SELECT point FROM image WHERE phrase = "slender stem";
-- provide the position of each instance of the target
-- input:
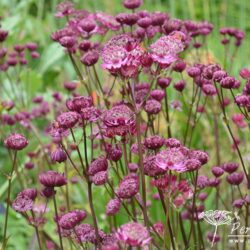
(58, 227)
(190, 112)
(221, 100)
(37, 232)
(90, 197)
(141, 168)
(167, 218)
(193, 208)
(78, 151)
(214, 235)
(8, 200)
(167, 114)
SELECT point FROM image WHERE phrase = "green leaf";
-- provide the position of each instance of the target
(32, 81)
(50, 57)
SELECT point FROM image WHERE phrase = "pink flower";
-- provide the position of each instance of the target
(133, 234)
(108, 21)
(128, 187)
(165, 50)
(173, 159)
(238, 119)
(22, 203)
(122, 54)
(64, 9)
(119, 120)
(16, 142)
(71, 219)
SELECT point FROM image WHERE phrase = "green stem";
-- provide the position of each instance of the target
(58, 227)
(8, 200)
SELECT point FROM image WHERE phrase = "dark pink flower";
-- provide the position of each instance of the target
(67, 120)
(172, 159)
(71, 219)
(64, 9)
(108, 21)
(100, 178)
(58, 155)
(119, 120)
(128, 187)
(123, 54)
(230, 167)
(151, 168)
(165, 50)
(52, 179)
(113, 207)
(22, 203)
(133, 234)
(235, 178)
(152, 107)
(154, 142)
(98, 165)
(114, 153)
(16, 142)
(78, 103)
(239, 121)
(31, 193)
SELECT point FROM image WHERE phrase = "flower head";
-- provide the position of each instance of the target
(52, 179)
(71, 219)
(67, 120)
(165, 50)
(22, 203)
(123, 54)
(133, 234)
(119, 120)
(16, 142)
(128, 187)
(113, 207)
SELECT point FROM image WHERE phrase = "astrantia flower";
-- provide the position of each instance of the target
(132, 4)
(230, 167)
(100, 178)
(151, 168)
(113, 207)
(172, 159)
(114, 153)
(235, 178)
(78, 103)
(67, 120)
(157, 94)
(64, 9)
(58, 155)
(16, 142)
(199, 155)
(172, 143)
(152, 107)
(52, 179)
(86, 233)
(165, 50)
(119, 120)
(133, 234)
(108, 21)
(154, 142)
(122, 54)
(31, 193)
(71, 219)
(98, 165)
(128, 187)
(22, 203)
(238, 119)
